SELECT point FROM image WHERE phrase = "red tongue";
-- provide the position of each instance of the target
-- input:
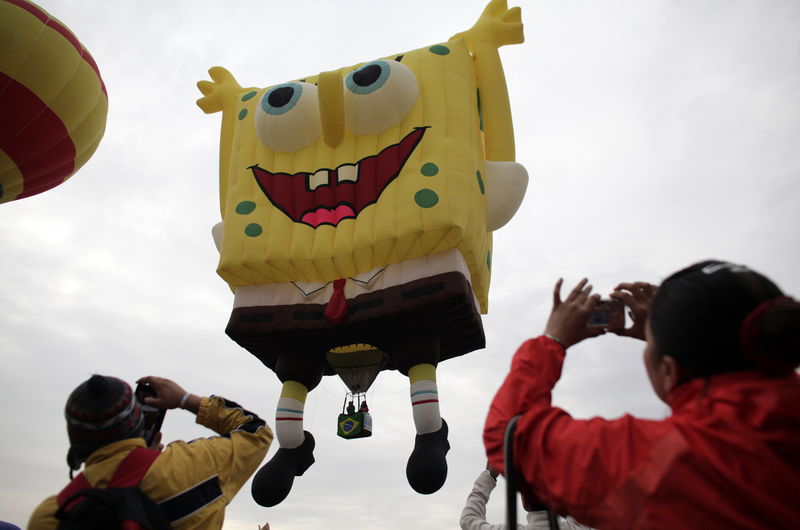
(325, 215)
(336, 309)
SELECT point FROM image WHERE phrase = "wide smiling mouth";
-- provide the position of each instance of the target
(326, 196)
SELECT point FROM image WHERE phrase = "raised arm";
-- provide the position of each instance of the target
(497, 26)
(220, 94)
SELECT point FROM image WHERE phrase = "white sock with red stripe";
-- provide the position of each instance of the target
(425, 398)
(289, 415)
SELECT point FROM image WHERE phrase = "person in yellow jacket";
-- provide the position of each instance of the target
(191, 482)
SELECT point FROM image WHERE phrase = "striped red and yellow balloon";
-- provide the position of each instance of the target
(53, 103)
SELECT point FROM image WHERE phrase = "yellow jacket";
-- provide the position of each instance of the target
(192, 482)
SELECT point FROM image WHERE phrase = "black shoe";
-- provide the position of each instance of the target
(427, 467)
(273, 482)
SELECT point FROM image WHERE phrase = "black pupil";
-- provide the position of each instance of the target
(367, 75)
(280, 96)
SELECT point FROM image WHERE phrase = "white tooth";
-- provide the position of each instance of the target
(320, 178)
(347, 172)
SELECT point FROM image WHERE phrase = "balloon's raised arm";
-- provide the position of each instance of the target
(221, 94)
(497, 26)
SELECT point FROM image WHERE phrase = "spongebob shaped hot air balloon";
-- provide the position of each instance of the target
(358, 207)
(53, 102)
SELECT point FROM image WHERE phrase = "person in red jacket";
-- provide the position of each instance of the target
(723, 345)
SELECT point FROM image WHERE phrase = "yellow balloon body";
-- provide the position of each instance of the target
(53, 101)
(434, 203)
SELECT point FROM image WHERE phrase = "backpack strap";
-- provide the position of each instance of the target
(132, 470)
(77, 484)
(128, 474)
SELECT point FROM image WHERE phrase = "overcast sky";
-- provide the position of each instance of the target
(656, 134)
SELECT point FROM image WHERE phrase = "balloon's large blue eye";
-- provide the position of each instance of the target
(287, 117)
(282, 98)
(379, 95)
(368, 78)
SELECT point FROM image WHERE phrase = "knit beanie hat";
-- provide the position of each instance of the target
(100, 411)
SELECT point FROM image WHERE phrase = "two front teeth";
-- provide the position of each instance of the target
(344, 173)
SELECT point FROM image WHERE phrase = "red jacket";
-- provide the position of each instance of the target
(727, 457)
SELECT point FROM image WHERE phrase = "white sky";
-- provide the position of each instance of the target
(656, 133)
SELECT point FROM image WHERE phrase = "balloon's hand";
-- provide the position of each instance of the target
(218, 93)
(567, 322)
(497, 25)
(637, 296)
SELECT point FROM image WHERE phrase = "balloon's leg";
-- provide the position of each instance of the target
(426, 469)
(424, 398)
(273, 482)
(289, 415)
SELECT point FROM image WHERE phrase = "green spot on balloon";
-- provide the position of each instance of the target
(480, 182)
(429, 169)
(253, 230)
(489, 259)
(245, 207)
(426, 198)
(249, 95)
(439, 49)
(242, 114)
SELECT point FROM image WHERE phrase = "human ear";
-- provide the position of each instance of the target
(670, 373)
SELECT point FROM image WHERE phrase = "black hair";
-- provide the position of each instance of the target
(697, 317)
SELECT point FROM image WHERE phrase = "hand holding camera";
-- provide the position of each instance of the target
(582, 314)
(168, 394)
(568, 319)
(153, 416)
(155, 396)
(637, 297)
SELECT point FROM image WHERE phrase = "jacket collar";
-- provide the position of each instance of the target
(712, 387)
(109, 450)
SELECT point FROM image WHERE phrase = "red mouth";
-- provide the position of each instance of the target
(327, 196)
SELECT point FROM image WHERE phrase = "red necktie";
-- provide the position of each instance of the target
(337, 306)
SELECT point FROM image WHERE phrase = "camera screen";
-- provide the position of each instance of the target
(608, 314)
